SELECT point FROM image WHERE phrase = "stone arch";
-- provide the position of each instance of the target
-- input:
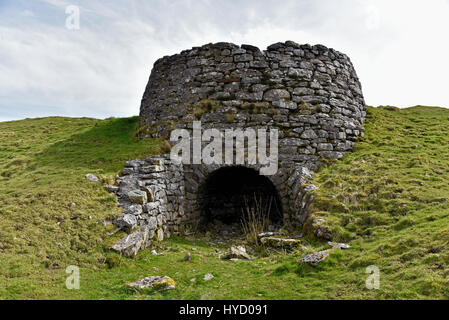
(226, 193)
(196, 176)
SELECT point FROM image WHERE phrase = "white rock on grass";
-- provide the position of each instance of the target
(339, 245)
(208, 277)
(91, 177)
(266, 234)
(238, 252)
(315, 258)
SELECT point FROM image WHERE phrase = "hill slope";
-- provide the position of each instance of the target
(387, 198)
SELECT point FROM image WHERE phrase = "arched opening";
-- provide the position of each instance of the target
(231, 195)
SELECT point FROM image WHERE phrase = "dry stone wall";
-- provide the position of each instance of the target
(311, 93)
(151, 193)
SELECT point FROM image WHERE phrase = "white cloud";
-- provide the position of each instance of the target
(399, 48)
(27, 13)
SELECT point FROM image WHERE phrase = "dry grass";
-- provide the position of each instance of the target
(256, 216)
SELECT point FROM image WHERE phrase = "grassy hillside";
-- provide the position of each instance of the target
(387, 199)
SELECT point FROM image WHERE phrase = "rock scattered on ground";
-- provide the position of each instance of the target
(321, 230)
(281, 242)
(315, 258)
(266, 234)
(91, 177)
(131, 244)
(339, 245)
(238, 252)
(158, 282)
(208, 277)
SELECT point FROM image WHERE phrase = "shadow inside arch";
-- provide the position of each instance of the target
(228, 192)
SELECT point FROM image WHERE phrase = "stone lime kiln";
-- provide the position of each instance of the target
(310, 94)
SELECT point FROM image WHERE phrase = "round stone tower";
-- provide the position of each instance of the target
(310, 94)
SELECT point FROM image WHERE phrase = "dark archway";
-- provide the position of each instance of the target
(227, 193)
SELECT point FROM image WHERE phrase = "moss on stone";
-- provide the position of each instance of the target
(230, 116)
(203, 107)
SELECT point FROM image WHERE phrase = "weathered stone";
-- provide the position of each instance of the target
(160, 235)
(135, 209)
(309, 134)
(91, 177)
(331, 154)
(321, 230)
(280, 242)
(266, 234)
(325, 147)
(208, 277)
(339, 245)
(131, 244)
(243, 58)
(158, 282)
(150, 207)
(127, 171)
(303, 91)
(315, 258)
(127, 221)
(112, 189)
(152, 223)
(300, 73)
(276, 94)
(285, 104)
(238, 252)
(138, 196)
(149, 192)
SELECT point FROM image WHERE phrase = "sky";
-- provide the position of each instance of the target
(49, 66)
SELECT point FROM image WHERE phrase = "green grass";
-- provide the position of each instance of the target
(389, 197)
(386, 198)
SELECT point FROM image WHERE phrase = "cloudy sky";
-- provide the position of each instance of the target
(400, 48)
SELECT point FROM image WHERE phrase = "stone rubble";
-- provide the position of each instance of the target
(208, 277)
(319, 228)
(266, 234)
(238, 252)
(339, 245)
(158, 282)
(91, 177)
(150, 194)
(281, 242)
(132, 243)
(315, 258)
